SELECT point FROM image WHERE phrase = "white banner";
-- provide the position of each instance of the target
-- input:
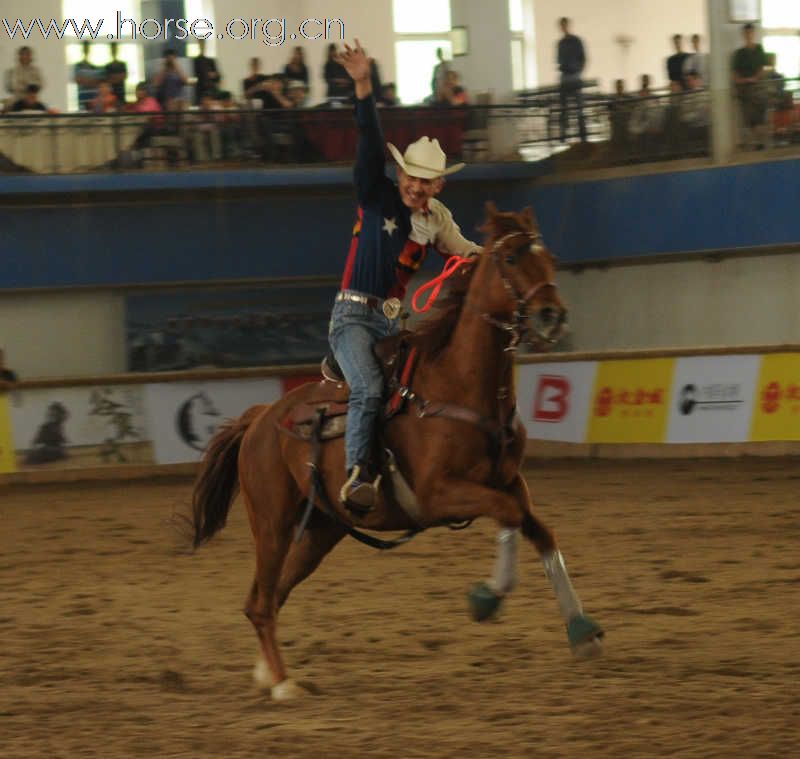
(554, 399)
(80, 426)
(183, 416)
(712, 399)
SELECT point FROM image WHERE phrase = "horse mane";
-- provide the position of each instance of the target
(433, 335)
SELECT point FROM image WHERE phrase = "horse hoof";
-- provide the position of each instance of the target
(262, 676)
(483, 602)
(584, 636)
(287, 691)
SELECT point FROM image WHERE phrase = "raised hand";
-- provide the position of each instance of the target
(355, 61)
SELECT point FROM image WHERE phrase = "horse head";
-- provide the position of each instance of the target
(521, 293)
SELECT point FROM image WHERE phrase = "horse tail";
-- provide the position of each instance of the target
(217, 483)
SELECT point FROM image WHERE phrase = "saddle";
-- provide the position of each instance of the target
(329, 398)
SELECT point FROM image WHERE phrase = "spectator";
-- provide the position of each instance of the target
(146, 103)
(105, 101)
(274, 96)
(230, 126)
(252, 86)
(675, 65)
(8, 378)
(87, 76)
(786, 120)
(748, 70)
(29, 101)
(452, 93)
(388, 96)
(697, 61)
(296, 70)
(25, 73)
(439, 73)
(647, 116)
(206, 75)
(339, 84)
(117, 74)
(169, 83)
(775, 82)
(619, 107)
(206, 137)
(571, 63)
(694, 106)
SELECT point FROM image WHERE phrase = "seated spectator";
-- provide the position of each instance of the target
(297, 92)
(388, 96)
(29, 102)
(25, 73)
(8, 378)
(105, 101)
(230, 126)
(296, 70)
(206, 136)
(452, 93)
(786, 120)
(272, 95)
(648, 114)
(146, 103)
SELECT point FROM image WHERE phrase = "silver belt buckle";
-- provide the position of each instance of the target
(392, 308)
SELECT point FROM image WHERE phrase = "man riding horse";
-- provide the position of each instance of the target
(396, 224)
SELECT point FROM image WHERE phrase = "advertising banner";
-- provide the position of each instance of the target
(65, 428)
(183, 416)
(554, 399)
(7, 457)
(712, 399)
(630, 401)
(776, 413)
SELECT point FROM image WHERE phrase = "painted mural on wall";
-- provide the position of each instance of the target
(73, 427)
(170, 331)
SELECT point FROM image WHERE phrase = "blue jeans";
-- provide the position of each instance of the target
(354, 330)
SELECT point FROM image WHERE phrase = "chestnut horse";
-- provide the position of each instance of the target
(457, 468)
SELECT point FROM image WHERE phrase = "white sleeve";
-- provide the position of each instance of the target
(449, 239)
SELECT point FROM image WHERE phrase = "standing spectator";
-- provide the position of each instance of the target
(116, 74)
(697, 61)
(571, 63)
(296, 70)
(25, 73)
(748, 69)
(439, 73)
(675, 64)
(252, 86)
(169, 82)
(340, 85)
(87, 76)
(206, 75)
(29, 101)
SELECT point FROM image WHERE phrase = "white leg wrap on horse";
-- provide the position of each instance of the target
(504, 579)
(556, 571)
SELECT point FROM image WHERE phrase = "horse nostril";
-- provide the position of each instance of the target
(548, 316)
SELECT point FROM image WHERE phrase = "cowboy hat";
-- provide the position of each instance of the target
(424, 159)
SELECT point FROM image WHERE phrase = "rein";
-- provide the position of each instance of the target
(435, 285)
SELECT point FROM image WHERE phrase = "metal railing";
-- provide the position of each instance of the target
(624, 129)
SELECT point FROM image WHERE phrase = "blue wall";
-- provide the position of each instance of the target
(128, 229)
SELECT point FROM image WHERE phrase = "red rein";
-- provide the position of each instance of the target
(450, 266)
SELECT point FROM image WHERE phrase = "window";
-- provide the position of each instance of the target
(523, 71)
(420, 26)
(780, 20)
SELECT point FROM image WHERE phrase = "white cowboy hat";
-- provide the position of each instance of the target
(424, 159)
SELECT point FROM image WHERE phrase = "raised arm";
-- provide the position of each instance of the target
(449, 240)
(370, 161)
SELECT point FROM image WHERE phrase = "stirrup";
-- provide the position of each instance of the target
(357, 494)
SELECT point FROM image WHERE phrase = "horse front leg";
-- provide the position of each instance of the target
(583, 633)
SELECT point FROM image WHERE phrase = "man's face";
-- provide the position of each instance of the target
(25, 56)
(415, 192)
(749, 36)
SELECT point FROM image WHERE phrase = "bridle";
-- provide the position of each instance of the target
(519, 328)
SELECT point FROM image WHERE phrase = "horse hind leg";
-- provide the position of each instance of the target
(319, 538)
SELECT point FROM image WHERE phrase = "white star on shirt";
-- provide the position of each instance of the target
(389, 225)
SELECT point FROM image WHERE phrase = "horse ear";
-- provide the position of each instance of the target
(491, 210)
(529, 214)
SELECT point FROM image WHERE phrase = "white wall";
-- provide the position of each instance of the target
(651, 24)
(738, 301)
(64, 334)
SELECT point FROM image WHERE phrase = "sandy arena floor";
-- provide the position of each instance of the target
(113, 645)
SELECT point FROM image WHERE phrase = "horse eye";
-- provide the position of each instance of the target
(511, 258)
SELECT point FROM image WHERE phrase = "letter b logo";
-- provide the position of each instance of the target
(551, 403)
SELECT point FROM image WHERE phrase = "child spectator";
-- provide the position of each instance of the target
(105, 101)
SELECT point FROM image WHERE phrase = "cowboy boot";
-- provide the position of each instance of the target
(360, 490)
